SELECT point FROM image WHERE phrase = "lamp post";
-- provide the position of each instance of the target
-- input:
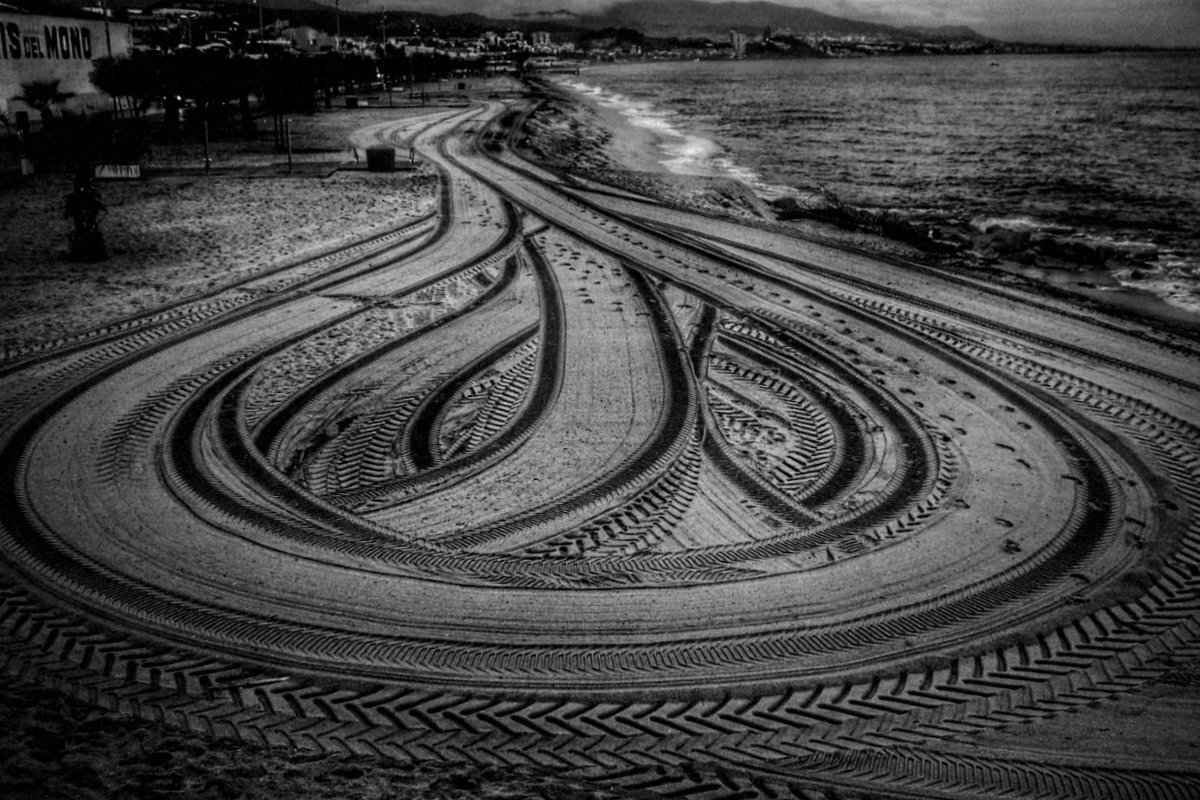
(107, 33)
(337, 5)
(261, 47)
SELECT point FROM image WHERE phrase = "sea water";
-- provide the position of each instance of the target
(1102, 146)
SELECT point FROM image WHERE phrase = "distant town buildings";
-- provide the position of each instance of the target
(40, 41)
(737, 40)
(309, 40)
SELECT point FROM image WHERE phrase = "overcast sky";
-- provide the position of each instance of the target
(1169, 23)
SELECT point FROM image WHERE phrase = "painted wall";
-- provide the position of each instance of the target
(36, 48)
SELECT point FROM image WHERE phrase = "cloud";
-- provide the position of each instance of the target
(1167, 23)
(489, 8)
(926, 13)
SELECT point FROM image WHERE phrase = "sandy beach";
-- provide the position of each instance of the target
(173, 237)
(580, 480)
(56, 748)
(181, 234)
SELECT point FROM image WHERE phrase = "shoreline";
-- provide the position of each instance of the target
(131, 516)
(637, 157)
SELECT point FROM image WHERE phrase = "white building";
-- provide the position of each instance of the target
(308, 39)
(737, 41)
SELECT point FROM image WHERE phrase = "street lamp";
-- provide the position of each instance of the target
(107, 33)
(261, 47)
(337, 5)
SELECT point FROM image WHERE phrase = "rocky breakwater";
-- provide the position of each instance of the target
(826, 207)
(1030, 244)
(991, 241)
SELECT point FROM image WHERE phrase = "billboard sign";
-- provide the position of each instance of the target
(39, 48)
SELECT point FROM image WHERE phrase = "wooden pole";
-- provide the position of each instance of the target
(107, 33)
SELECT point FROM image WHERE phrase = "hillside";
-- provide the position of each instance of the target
(654, 18)
(661, 18)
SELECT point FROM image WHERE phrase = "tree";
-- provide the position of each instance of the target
(137, 78)
(45, 98)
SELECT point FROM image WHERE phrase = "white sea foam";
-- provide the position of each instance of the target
(1017, 223)
(683, 152)
(905, 136)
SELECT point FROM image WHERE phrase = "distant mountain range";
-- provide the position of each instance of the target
(663, 18)
(561, 15)
(654, 18)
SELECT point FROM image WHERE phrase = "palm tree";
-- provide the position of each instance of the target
(45, 98)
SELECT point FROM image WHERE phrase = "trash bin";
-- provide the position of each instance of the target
(381, 159)
(351, 101)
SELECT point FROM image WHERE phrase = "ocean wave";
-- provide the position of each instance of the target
(1018, 222)
(683, 152)
(1060, 148)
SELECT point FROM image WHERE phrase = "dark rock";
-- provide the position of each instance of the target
(1142, 254)
(955, 236)
(1005, 241)
(1130, 252)
(1073, 251)
(940, 245)
(787, 208)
